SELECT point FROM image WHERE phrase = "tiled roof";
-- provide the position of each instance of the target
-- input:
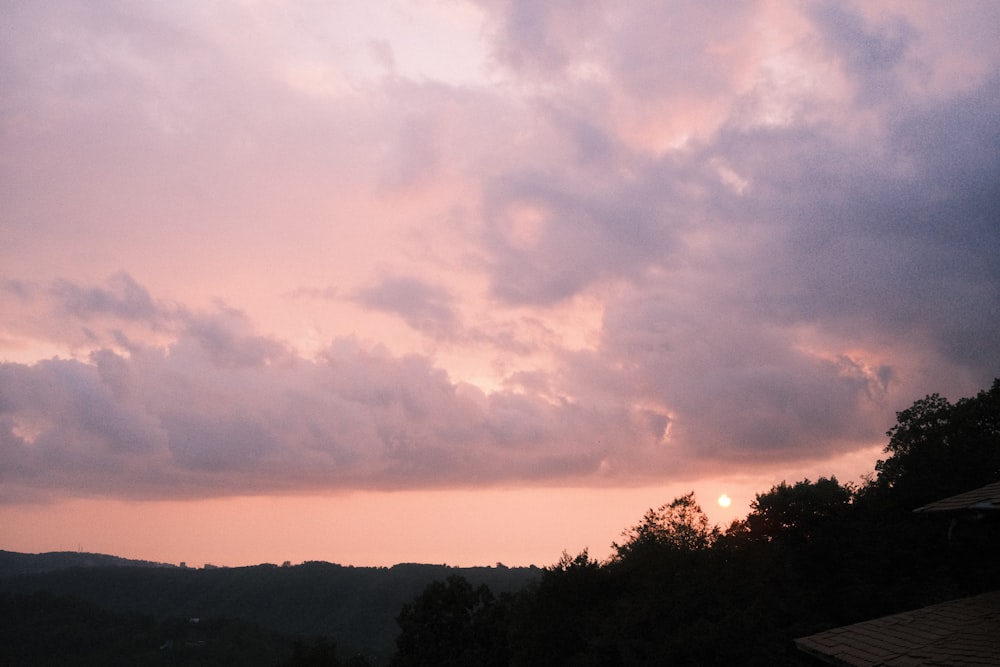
(959, 633)
(984, 498)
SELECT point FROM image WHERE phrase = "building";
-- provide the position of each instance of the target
(957, 633)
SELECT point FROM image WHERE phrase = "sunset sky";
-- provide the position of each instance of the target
(469, 281)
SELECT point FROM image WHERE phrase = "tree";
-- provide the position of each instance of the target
(559, 619)
(680, 525)
(937, 449)
(452, 624)
(322, 653)
(797, 511)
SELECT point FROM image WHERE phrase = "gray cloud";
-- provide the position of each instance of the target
(868, 238)
(785, 246)
(87, 316)
(427, 308)
(740, 388)
(123, 298)
(179, 422)
(894, 239)
(873, 55)
(226, 336)
(583, 231)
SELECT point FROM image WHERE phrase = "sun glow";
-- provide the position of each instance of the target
(725, 501)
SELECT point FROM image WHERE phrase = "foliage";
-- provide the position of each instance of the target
(797, 511)
(680, 525)
(452, 624)
(42, 629)
(937, 449)
(354, 606)
(321, 653)
(557, 617)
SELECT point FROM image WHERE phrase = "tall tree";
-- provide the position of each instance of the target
(797, 511)
(937, 449)
(680, 525)
(452, 624)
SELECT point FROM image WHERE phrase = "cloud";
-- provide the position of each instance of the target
(184, 421)
(739, 388)
(833, 224)
(894, 239)
(646, 240)
(64, 312)
(123, 298)
(226, 337)
(550, 238)
(870, 54)
(427, 308)
(773, 305)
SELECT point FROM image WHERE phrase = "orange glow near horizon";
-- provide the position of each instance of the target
(464, 528)
(461, 527)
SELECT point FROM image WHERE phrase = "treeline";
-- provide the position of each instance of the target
(41, 629)
(12, 562)
(809, 556)
(319, 609)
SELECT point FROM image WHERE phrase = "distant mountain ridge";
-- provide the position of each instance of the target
(13, 562)
(355, 606)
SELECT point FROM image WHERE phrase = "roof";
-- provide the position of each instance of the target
(984, 498)
(956, 634)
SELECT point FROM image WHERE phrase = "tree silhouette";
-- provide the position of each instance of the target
(938, 449)
(797, 511)
(452, 624)
(680, 525)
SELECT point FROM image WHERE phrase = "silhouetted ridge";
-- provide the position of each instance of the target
(12, 562)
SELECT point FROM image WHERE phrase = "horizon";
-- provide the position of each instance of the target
(423, 541)
(475, 281)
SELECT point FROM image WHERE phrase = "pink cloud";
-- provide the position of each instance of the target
(643, 241)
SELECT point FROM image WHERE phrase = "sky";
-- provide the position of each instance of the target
(475, 281)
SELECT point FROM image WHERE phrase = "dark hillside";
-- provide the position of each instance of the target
(38, 630)
(355, 606)
(12, 563)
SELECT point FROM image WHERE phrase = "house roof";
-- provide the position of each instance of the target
(984, 498)
(959, 633)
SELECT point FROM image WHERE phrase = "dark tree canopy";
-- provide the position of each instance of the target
(937, 449)
(451, 624)
(680, 525)
(798, 510)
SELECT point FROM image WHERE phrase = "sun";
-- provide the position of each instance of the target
(725, 501)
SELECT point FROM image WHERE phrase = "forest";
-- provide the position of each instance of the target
(809, 556)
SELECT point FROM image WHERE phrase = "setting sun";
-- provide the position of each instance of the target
(725, 501)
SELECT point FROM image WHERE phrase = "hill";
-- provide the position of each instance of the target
(12, 562)
(354, 606)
